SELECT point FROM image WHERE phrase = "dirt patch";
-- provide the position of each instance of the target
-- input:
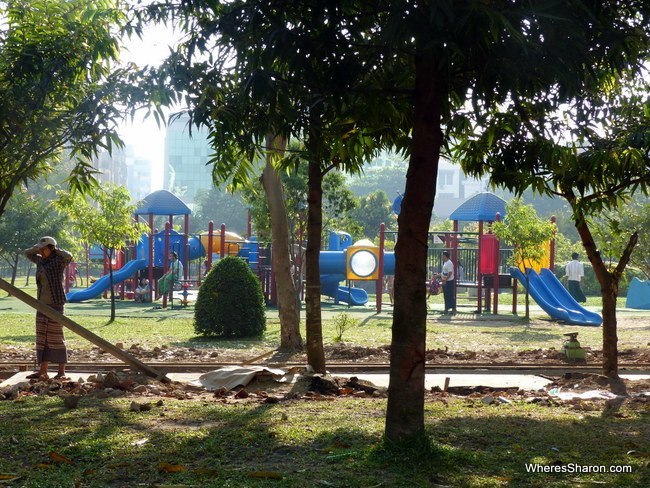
(334, 353)
(351, 352)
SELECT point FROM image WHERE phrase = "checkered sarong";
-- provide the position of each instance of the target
(50, 343)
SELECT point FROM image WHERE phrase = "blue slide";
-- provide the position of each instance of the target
(329, 286)
(554, 299)
(103, 283)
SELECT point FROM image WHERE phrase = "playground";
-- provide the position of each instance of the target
(465, 336)
(288, 433)
(488, 290)
(349, 271)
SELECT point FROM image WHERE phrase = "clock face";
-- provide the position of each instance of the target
(363, 263)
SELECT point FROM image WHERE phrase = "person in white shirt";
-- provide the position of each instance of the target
(448, 288)
(575, 271)
(141, 293)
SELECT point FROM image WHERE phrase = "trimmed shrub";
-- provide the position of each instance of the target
(230, 302)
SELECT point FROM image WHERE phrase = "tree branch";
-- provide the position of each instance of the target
(625, 257)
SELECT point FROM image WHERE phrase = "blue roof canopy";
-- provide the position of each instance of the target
(481, 207)
(162, 202)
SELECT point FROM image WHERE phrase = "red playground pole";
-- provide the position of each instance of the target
(479, 275)
(186, 238)
(151, 263)
(210, 242)
(166, 261)
(497, 255)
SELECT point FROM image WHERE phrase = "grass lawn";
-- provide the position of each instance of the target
(137, 323)
(300, 443)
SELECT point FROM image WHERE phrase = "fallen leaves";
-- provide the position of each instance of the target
(59, 458)
(8, 478)
(171, 468)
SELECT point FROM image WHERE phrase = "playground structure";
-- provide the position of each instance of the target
(484, 266)
(151, 256)
(361, 261)
(485, 269)
(152, 251)
(638, 294)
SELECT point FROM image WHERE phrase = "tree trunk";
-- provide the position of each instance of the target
(527, 298)
(405, 410)
(608, 281)
(29, 273)
(289, 312)
(110, 281)
(315, 351)
(14, 269)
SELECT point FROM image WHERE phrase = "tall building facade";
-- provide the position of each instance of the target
(112, 167)
(138, 177)
(186, 157)
(123, 168)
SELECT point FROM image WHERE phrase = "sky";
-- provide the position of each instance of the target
(144, 135)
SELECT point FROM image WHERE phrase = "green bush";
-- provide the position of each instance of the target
(230, 302)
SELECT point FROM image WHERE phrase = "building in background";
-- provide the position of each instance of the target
(124, 168)
(138, 177)
(186, 156)
(387, 172)
(112, 167)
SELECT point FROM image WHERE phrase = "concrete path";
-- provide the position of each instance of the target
(523, 381)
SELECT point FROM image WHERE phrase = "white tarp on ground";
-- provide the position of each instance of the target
(230, 377)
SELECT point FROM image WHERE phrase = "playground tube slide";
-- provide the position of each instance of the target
(329, 286)
(333, 266)
(103, 283)
(549, 294)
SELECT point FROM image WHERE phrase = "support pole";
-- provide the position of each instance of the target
(497, 264)
(135, 282)
(380, 276)
(222, 251)
(151, 258)
(186, 254)
(210, 243)
(166, 261)
(479, 275)
(454, 259)
(551, 258)
(81, 331)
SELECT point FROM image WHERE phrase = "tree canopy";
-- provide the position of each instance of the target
(529, 236)
(58, 88)
(103, 217)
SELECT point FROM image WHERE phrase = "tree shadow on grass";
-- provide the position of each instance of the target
(499, 447)
(217, 343)
(311, 443)
(29, 338)
(532, 335)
